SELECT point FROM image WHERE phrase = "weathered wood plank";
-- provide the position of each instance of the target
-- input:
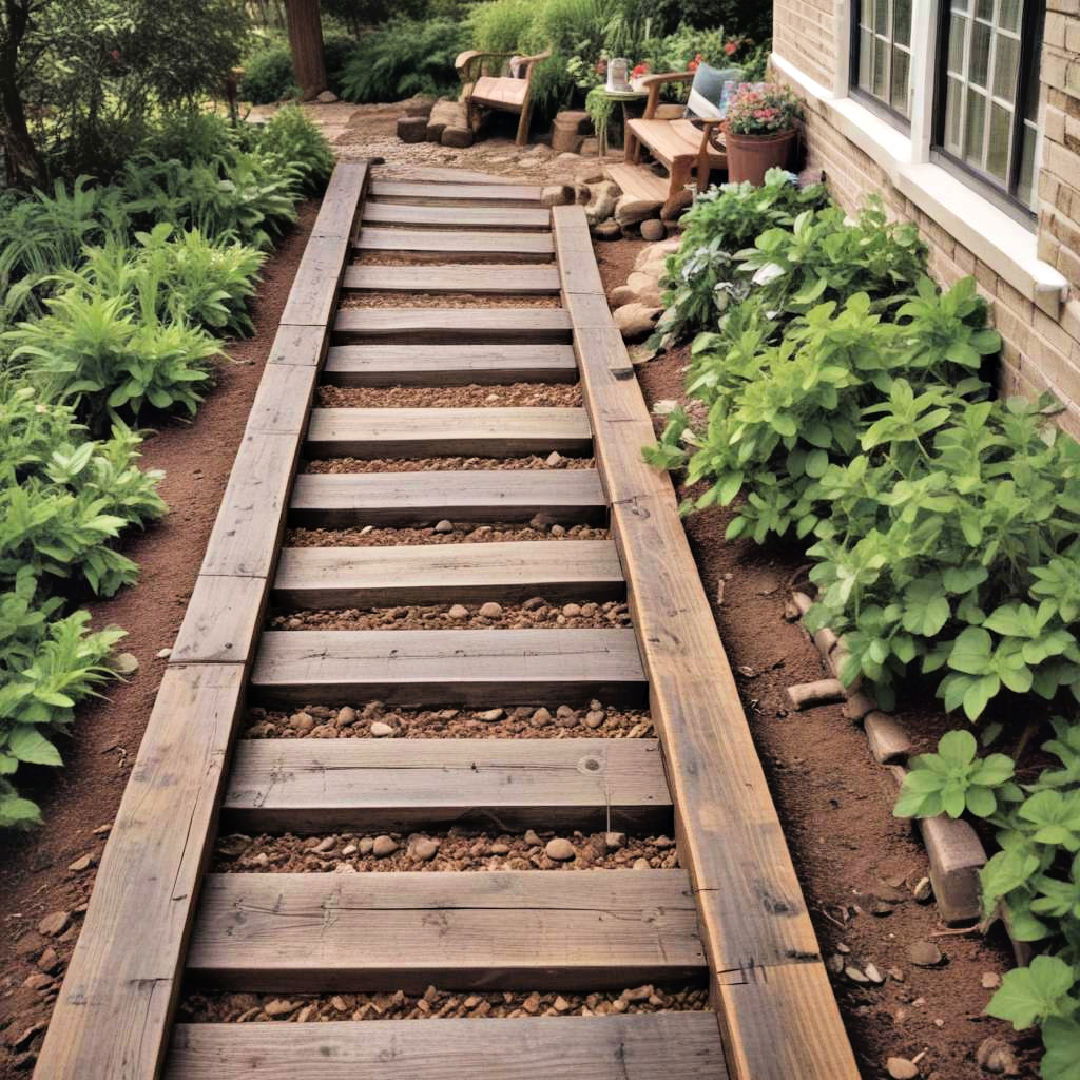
(676, 1046)
(338, 213)
(455, 194)
(489, 278)
(409, 929)
(282, 400)
(528, 247)
(302, 346)
(324, 577)
(436, 432)
(563, 495)
(778, 1016)
(315, 287)
(456, 217)
(324, 785)
(448, 325)
(474, 667)
(112, 1016)
(222, 621)
(448, 365)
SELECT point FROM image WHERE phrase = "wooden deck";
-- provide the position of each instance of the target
(732, 915)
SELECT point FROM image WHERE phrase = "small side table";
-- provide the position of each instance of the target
(626, 99)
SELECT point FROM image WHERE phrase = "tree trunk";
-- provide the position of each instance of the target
(306, 43)
(22, 161)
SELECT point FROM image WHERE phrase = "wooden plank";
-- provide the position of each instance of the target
(338, 212)
(448, 365)
(456, 217)
(113, 1013)
(639, 182)
(302, 346)
(323, 577)
(530, 247)
(437, 432)
(563, 495)
(409, 929)
(222, 621)
(489, 278)
(448, 325)
(446, 194)
(325, 785)
(468, 667)
(778, 1016)
(282, 400)
(315, 287)
(676, 1046)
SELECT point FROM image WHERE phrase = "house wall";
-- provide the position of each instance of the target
(1041, 347)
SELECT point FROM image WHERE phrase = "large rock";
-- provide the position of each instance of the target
(601, 205)
(457, 137)
(657, 253)
(622, 294)
(630, 210)
(557, 195)
(653, 229)
(327, 97)
(635, 320)
(646, 288)
(412, 129)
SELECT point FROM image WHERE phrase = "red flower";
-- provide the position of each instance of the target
(693, 65)
(641, 69)
(731, 48)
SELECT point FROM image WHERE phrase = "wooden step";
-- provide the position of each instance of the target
(675, 1046)
(526, 929)
(448, 365)
(395, 785)
(489, 278)
(313, 578)
(451, 667)
(527, 247)
(451, 194)
(638, 182)
(533, 326)
(402, 498)
(433, 432)
(456, 217)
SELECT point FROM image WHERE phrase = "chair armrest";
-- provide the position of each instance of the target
(654, 82)
(465, 61)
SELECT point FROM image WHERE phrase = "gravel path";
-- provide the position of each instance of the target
(457, 533)
(471, 395)
(554, 460)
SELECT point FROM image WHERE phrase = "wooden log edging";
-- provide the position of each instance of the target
(114, 1013)
(777, 1014)
(955, 852)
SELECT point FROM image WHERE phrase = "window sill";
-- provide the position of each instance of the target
(991, 235)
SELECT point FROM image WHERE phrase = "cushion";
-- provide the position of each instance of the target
(707, 98)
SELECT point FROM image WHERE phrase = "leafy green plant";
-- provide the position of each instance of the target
(294, 144)
(268, 75)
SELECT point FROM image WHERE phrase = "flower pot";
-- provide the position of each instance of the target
(750, 157)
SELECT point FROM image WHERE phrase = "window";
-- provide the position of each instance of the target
(881, 42)
(986, 109)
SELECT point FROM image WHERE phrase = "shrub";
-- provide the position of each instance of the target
(268, 75)
(291, 142)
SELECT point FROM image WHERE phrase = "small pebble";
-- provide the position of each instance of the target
(380, 729)
(901, 1069)
(490, 610)
(924, 954)
(444, 526)
(383, 846)
(560, 849)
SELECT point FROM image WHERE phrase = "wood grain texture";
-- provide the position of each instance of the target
(448, 365)
(451, 194)
(435, 432)
(778, 1016)
(325, 785)
(456, 217)
(302, 346)
(527, 247)
(283, 399)
(562, 495)
(436, 174)
(112, 1016)
(338, 213)
(315, 286)
(676, 1046)
(222, 621)
(321, 577)
(490, 278)
(474, 667)
(409, 929)
(534, 326)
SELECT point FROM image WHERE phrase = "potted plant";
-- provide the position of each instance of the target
(760, 131)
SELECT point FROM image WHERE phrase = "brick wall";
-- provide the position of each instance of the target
(805, 29)
(1040, 352)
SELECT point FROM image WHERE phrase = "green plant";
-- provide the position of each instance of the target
(293, 143)
(268, 75)
(767, 110)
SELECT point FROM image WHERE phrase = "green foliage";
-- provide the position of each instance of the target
(953, 780)
(403, 58)
(292, 143)
(268, 75)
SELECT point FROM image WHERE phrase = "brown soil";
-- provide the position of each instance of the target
(554, 460)
(456, 849)
(473, 395)
(558, 722)
(434, 1004)
(462, 533)
(84, 794)
(445, 300)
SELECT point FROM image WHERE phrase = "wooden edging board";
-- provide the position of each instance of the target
(778, 1017)
(115, 1008)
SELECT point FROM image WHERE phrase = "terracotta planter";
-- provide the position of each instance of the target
(750, 157)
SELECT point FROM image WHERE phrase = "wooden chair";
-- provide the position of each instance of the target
(482, 92)
(679, 144)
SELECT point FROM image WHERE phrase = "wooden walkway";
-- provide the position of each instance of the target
(733, 914)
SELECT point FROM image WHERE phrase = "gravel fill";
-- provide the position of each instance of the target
(459, 533)
(453, 849)
(554, 460)
(471, 395)
(375, 720)
(441, 258)
(535, 613)
(197, 1007)
(448, 300)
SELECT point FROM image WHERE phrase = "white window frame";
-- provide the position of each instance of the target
(995, 237)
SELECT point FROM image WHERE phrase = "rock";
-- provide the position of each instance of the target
(621, 294)
(642, 864)
(301, 721)
(490, 715)
(458, 611)
(280, 1007)
(49, 961)
(83, 862)
(571, 610)
(541, 718)
(324, 845)
(594, 719)
(557, 195)
(888, 738)
(635, 320)
(163, 654)
(532, 838)
(665, 407)
(491, 610)
(383, 846)
(646, 287)
(925, 954)
(990, 980)
(568, 155)
(607, 231)
(560, 849)
(553, 460)
(590, 146)
(423, 850)
(656, 253)
(126, 664)
(602, 201)
(923, 892)
(380, 729)
(38, 981)
(855, 974)
(630, 210)
(457, 137)
(54, 924)
(901, 1069)
(996, 1056)
(444, 527)
(873, 974)
(346, 717)
(653, 229)
(327, 97)
(614, 840)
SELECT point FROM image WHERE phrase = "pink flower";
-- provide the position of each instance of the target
(731, 48)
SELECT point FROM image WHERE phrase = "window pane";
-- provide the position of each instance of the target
(878, 89)
(901, 21)
(984, 9)
(898, 95)
(881, 16)
(997, 151)
(979, 57)
(954, 97)
(865, 54)
(957, 29)
(1025, 190)
(1006, 66)
(973, 126)
(1009, 14)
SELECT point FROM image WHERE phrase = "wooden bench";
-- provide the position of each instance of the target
(679, 144)
(483, 92)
